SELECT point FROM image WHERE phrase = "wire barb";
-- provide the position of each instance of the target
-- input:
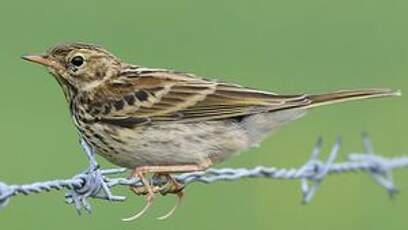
(319, 170)
(97, 183)
(93, 183)
(380, 170)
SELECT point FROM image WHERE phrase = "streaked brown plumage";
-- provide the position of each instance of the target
(162, 121)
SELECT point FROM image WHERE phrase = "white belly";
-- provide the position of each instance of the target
(187, 143)
(175, 144)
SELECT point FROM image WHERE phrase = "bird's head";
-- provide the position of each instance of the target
(78, 65)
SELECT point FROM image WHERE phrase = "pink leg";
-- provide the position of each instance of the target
(173, 185)
(174, 168)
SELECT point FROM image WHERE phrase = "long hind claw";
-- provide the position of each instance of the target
(149, 202)
(147, 189)
(172, 186)
(172, 211)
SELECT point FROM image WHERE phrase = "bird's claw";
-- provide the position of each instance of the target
(165, 185)
(172, 186)
(149, 202)
(168, 185)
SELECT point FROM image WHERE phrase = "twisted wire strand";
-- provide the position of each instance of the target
(97, 183)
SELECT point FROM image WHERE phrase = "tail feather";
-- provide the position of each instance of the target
(349, 95)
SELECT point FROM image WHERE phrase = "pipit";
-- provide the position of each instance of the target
(162, 121)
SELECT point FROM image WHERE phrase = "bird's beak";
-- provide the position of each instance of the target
(42, 60)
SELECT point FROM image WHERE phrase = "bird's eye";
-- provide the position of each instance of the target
(77, 61)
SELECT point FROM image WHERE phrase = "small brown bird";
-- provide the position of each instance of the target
(162, 121)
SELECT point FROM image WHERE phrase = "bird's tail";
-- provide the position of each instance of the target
(349, 95)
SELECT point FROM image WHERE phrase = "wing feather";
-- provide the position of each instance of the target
(160, 96)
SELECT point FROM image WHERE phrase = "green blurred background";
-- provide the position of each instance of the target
(285, 46)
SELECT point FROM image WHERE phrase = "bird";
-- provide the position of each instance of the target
(160, 121)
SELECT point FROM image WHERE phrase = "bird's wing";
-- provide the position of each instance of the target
(150, 96)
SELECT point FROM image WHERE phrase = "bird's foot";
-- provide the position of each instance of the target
(173, 187)
(162, 182)
(147, 190)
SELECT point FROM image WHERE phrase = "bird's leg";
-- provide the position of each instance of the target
(176, 168)
(172, 186)
(162, 170)
(148, 190)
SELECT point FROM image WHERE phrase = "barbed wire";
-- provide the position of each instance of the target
(97, 183)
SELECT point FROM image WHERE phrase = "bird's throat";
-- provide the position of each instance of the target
(67, 88)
